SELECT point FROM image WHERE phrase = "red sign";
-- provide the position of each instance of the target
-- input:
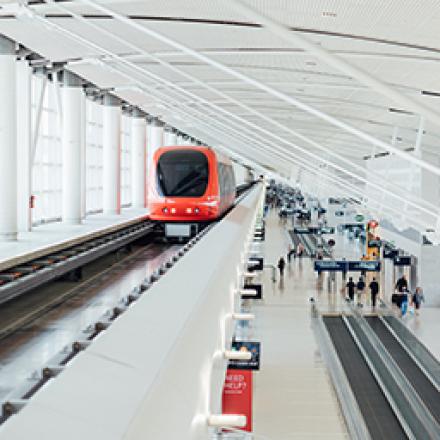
(237, 395)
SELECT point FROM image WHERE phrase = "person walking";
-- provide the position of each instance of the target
(300, 248)
(417, 299)
(350, 286)
(281, 266)
(404, 301)
(374, 289)
(360, 287)
(290, 252)
(402, 284)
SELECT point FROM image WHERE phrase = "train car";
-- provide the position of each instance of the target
(188, 187)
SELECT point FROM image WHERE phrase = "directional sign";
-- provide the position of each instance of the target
(402, 261)
(347, 266)
(330, 266)
(361, 266)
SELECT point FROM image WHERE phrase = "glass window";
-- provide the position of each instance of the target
(182, 173)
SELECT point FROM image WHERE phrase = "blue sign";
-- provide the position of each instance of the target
(346, 266)
(402, 261)
(330, 266)
(314, 230)
(361, 266)
(253, 363)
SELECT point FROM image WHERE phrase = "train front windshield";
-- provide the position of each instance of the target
(182, 173)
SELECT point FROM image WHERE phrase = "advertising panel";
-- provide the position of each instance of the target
(237, 395)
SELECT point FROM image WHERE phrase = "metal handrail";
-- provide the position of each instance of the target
(410, 409)
(415, 349)
(353, 417)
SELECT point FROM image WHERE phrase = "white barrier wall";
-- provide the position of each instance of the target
(158, 371)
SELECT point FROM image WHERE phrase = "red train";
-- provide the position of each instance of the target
(187, 186)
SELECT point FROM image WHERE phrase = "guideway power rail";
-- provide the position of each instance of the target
(148, 356)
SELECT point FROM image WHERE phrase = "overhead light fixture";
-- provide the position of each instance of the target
(429, 93)
(398, 110)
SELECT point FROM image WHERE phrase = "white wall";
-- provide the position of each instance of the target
(158, 371)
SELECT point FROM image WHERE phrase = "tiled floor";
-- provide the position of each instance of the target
(46, 236)
(294, 398)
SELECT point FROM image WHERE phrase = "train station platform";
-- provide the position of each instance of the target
(53, 237)
(294, 397)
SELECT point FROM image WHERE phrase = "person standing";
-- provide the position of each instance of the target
(360, 286)
(417, 299)
(374, 289)
(350, 288)
(402, 284)
(281, 266)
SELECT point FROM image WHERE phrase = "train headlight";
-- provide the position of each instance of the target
(196, 210)
(173, 210)
(165, 210)
(189, 210)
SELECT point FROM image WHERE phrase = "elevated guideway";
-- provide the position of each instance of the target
(165, 355)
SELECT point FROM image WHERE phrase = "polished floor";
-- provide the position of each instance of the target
(294, 398)
(24, 353)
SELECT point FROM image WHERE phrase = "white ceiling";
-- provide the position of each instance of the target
(397, 42)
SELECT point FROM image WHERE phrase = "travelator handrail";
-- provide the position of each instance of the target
(426, 361)
(411, 411)
(353, 417)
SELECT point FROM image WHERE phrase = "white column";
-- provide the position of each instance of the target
(112, 155)
(72, 125)
(138, 158)
(83, 141)
(8, 141)
(170, 137)
(155, 139)
(24, 143)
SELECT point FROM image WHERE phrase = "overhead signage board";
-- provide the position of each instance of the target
(361, 266)
(390, 253)
(330, 266)
(301, 231)
(402, 261)
(253, 363)
(346, 266)
(314, 230)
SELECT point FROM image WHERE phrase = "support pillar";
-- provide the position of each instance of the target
(155, 139)
(24, 145)
(138, 158)
(83, 141)
(111, 155)
(170, 137)
(8, 141)
(72, 126)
